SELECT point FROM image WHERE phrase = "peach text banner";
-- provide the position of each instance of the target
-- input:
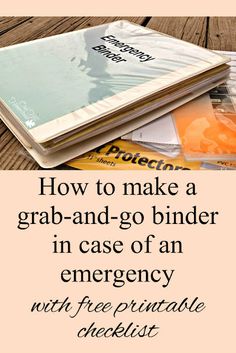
(200, 268)
(118, 8)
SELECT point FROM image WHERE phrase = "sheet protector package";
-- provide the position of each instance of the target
(125, 155)
(65, 89)
(207, 125)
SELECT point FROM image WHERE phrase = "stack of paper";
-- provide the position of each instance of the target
(159, 135)
(64, 95)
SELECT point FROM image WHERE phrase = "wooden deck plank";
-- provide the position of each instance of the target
(8, 23)
(190, 29)
(222, 33)
(3, 128)
(39, 27)
(35, 28)
(13, 155)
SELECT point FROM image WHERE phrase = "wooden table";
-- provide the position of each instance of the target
(213, 33)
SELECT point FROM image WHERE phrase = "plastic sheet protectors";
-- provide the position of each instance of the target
(207, 125)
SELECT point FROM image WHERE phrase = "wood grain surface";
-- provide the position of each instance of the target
(214, 33)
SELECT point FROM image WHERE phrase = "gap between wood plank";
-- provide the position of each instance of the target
(207, 30)
(145, 21)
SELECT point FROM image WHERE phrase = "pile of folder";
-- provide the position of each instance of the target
(69, 94)
(202, 130)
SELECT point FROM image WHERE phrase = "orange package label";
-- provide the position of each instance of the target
(207, 126)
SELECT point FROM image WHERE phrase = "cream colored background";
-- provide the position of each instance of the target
(30, 272)
(118, 8)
